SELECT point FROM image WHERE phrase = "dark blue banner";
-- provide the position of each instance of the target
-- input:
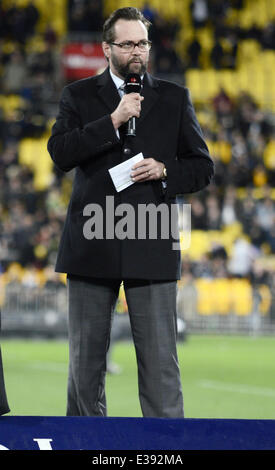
(89, 433)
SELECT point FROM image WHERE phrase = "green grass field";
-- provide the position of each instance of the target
(222, 377)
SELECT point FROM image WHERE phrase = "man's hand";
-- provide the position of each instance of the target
(147, 169)
(129, 106)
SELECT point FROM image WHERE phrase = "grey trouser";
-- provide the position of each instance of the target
(152, 312)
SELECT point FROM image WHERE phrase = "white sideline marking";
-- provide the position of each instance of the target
(237, 388)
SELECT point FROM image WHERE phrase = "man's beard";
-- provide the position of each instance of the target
(124, 69)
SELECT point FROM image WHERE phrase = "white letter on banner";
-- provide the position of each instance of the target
(44, 444)
(3, 447)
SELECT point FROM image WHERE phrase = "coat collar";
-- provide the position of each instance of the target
(108, 92)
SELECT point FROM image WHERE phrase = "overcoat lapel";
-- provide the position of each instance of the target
(107, 90)
(150, 93)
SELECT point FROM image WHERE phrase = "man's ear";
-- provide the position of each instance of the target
(106, 50)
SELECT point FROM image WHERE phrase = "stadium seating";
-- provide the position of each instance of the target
(53, 12)
(253, 73)
(33, 154)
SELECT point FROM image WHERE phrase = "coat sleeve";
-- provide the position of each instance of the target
(70, 143)
(193, 168)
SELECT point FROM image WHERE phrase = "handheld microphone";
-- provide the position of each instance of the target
(132, 85)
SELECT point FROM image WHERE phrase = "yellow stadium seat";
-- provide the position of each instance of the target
(14, 272)
(220, 150)
(193, 82)
(33, 153)
(221, 297)
(266, 299)
(11, 103)
(242, 297)
(26, 153)
(269, 155)
(205, 296)
(199, 244)
(209, 79)
(63, 278)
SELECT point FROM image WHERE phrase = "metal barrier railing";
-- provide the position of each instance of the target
(36, 310)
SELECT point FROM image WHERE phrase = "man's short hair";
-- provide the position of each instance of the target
(129, 14)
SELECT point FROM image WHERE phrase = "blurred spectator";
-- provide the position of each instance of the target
(85, 16)
(218, 257)
(254, 32)
(237, 4)
(50, 35)
(217, 55)
(270, 236)
(166, 60)
(268, 36)
(15, 73)
(31, 18)
(224, 109)
(198, 214)
(199, 13)
(203, 267)
(213, 213)
(78, 19)
(3, 23)
(217, 10)
(229, 212)
(258, 274)
(149, 12)
(222, 102)
(42, 62)
(163, 30)
(20, 22)
(243, 256)
(265, 213)
(95, 15)
(246, 213)
(230, 55)
(257, 235)
(194, 52)
(15, 23)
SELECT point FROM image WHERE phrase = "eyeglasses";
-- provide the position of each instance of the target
(129, 46)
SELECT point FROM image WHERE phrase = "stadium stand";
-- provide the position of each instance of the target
(224, 52)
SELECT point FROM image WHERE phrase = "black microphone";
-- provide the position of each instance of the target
(132, 85)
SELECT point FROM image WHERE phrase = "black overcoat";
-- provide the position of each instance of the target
(83, 138)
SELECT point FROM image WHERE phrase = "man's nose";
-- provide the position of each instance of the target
(136, 50)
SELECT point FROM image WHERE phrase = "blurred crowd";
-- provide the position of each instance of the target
(240, 136)
(18, 24)
(226, 37)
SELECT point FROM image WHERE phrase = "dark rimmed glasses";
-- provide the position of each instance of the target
(128, 46)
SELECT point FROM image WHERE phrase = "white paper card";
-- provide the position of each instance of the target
(121, 174)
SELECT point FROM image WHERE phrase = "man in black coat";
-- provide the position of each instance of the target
(100, 247)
